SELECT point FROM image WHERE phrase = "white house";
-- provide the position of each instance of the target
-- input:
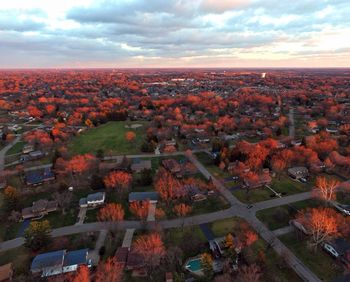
(93, 200)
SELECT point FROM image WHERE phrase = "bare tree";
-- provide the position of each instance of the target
(63, 199)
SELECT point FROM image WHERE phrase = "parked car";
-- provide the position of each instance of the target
(345, 209)
(331, 250)
(303, 180)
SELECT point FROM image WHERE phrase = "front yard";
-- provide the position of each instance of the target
(324, 266)
(278, 217)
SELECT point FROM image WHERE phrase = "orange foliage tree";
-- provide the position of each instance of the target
(182, 209)
(140, 209)
(81, 163)
(118, 180)
(325, 188)
(82, 275)
(109, 271)
(111, 212)
(151, 248)
(130, 136)
(323, 224)
(167, 186)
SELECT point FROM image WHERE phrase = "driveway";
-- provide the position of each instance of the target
(81, 216)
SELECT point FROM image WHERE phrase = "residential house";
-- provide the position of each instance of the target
(39, 209)
(143, 196)
(93, 200)
(172, 166)
(34, 155)
(58, 262)
(132, 261)
(6, 272)
(28, 148)
(195, 193)
(121, 256)
(37, 177)
(136, 264)
(139, 165)
(298, 172)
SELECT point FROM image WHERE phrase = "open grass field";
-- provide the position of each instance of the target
(110, 138)
(324, 266)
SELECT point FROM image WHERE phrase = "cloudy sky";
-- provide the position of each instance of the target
(174, 33)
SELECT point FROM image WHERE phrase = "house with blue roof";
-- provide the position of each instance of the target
(143, 196)
(37, 177)
(59, 262)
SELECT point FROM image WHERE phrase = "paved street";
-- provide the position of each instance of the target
(94, 255)
(237, 209)
(4, 151)
(291, 123)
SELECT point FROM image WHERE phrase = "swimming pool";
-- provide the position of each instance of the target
(194, 265)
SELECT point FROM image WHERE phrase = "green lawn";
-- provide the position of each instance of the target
(108, 137)
(283, 184)
(210, 166)
(16, 149)
(287, 186)
(190, 239)
(221, 227)
(278, 217)
(57, 219)
(323, 265)
(20, 257)
(253, 196)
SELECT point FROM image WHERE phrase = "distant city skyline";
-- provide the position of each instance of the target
(183, 33)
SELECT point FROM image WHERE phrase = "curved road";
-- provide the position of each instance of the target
(237, 209)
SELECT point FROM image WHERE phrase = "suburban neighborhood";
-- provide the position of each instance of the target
(176, 175)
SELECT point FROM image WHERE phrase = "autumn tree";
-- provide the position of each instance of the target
(111, 212)
(130, 136)
(325, 188)
(82, 275)
(167, 186)
(323, 224)
(249, 273)
(207, 265)
(250, 237)
(81, 163)
(182, 210)
(38, 138)
(11, 198)
(118, 180)
(140, 209)
(37, 235)
(109, 271)
(278, 165)
(151, 248)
